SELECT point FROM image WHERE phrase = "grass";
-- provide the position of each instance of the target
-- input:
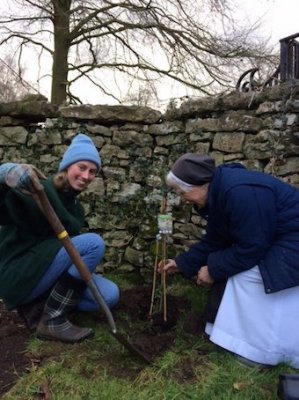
(102, 369)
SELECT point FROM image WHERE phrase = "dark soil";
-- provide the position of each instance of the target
(152, 340)
(13, 340)
(157, 336)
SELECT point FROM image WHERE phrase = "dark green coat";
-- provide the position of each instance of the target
(28, 244)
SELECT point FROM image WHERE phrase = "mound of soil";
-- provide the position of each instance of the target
(152, 340)
(157, 334)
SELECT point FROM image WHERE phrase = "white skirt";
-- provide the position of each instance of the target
(261, 327)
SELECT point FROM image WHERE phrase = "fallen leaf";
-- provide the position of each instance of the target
(239, 385)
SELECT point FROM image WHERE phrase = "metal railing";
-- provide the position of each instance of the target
(288, 68)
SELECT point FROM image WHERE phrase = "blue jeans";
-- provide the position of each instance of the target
(91, 247)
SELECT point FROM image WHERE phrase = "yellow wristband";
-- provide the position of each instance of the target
(62, 235)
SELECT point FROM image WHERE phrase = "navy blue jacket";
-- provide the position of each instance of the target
(252, 219)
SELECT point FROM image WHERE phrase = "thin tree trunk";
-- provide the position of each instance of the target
(61, 48)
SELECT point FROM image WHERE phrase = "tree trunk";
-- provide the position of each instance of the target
(61, 48)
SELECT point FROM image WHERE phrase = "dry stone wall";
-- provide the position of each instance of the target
(138, 145)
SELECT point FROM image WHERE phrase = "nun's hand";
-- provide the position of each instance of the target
(170, 267)
(203, 277)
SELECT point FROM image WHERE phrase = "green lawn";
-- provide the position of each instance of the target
(101, 368)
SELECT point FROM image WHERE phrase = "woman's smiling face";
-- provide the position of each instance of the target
(81, 174)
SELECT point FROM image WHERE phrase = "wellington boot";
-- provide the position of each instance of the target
(31, 315)
(54, 324)
(60, 329)
(32, 312)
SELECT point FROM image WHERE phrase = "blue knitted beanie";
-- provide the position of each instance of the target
(82, 148)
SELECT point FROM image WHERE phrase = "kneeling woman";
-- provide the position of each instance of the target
(252, 242)
(37, 275)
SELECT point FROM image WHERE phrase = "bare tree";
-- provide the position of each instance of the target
(12, 84)
(195, 42)
(141, 94)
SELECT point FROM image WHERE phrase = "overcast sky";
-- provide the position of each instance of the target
(280, 16)
(280, 20)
